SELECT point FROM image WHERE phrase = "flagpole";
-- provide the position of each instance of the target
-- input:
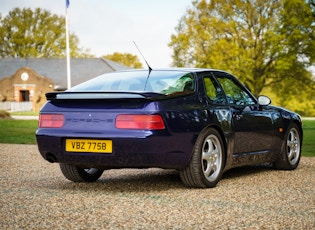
(68, 48)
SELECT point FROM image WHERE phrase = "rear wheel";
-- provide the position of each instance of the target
(78, 174)
(206, 166)
(291, 150)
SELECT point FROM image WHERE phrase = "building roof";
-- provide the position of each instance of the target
(82, 69)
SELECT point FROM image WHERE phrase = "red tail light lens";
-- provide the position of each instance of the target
(51, 120)
(129, 121)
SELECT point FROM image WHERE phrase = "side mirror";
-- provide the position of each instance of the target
(264, 100)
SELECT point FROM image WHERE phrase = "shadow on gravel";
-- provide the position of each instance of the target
(145, 181)
(150, 180)
(247, 171)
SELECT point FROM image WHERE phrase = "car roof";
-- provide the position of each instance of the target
(180, 69)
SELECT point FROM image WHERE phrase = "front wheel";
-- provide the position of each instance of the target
(207, 163)
(78, 174)
(291, 149)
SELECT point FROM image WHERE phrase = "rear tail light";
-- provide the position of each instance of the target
(51, 120)
(137, 121)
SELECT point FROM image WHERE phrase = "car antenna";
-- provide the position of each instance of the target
(150, 69)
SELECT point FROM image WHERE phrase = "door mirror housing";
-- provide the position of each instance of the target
(264, 100)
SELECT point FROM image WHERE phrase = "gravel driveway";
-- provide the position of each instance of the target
(35, 195)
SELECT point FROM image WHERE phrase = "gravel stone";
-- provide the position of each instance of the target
(35, 195)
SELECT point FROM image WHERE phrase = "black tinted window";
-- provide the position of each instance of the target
(234, 92)
(213, 92)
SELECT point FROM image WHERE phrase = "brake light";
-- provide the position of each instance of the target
(137, 121)
(51, 120)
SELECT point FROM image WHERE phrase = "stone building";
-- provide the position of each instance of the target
(28, 80)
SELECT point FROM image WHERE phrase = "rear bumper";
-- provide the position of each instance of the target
(171, 151)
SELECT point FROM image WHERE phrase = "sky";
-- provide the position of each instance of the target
(108, 26)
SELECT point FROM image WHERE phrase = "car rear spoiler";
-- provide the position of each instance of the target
(103, 96)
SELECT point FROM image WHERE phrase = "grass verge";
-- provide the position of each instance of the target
(18, 131)
(308, 147)
(25, 113)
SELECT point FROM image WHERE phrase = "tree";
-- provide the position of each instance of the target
(266, 43)
(126, 59)
(26, 33)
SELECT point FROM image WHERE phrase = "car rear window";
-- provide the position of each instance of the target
(162, 82)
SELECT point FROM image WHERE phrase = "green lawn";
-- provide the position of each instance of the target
(308, 148)
(25, 113)
(18, 131)
(23, 132)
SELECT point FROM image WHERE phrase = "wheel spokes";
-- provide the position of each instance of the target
(211, 158)
(290, 145)
(293, 146)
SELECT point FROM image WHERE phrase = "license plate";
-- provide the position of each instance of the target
(84, 145)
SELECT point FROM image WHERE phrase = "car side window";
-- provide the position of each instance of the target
(176, 86)
(234, 92)
(213, 92)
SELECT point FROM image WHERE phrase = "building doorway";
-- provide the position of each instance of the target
(24, 95)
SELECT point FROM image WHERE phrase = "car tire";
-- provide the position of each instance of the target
(207, 163)
(78, 174)
(291, 149)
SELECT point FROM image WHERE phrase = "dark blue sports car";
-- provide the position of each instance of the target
(201, 122)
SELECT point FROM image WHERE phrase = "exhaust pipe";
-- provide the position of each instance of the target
(51, 158)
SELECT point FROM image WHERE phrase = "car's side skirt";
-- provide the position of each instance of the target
(266, 156)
